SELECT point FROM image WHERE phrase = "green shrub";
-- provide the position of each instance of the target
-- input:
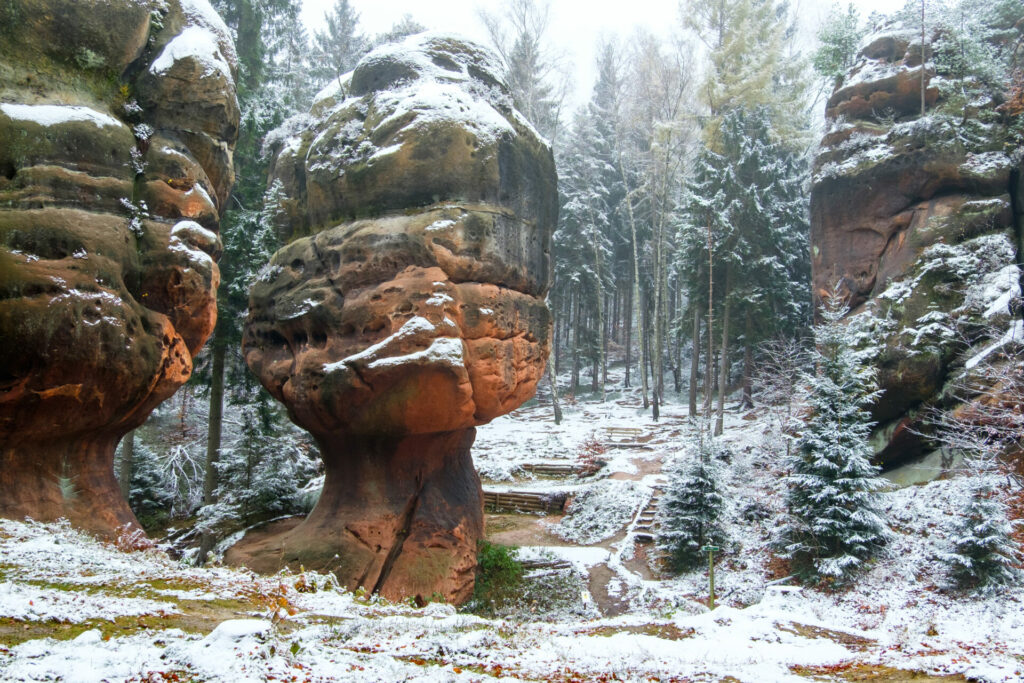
(498, 574)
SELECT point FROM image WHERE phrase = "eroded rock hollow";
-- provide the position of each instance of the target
(407, 308)
(918, 217)
(117, 123)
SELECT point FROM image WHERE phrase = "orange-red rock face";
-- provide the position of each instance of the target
(915, 217)
(407, 309)
(115, 156)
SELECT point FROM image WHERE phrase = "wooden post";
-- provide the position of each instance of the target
(711, 550)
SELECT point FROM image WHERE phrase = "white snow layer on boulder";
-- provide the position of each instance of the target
(454, 92)
(201, 13)
(198, 43)
(55, 114)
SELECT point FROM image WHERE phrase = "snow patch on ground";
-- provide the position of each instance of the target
(601, 510)
(32, 603)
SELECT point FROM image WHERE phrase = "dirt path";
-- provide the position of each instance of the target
(517, 529)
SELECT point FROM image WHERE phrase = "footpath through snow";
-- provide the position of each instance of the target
(74, 609)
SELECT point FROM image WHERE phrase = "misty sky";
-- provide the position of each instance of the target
(576, 25)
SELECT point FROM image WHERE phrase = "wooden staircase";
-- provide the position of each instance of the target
(644, 527)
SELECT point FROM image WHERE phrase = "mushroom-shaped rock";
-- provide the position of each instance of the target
(406, 309)
(117, 121)
(918, 218)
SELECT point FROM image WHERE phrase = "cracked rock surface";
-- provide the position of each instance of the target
(406, 309)
(918, 217)
(117, 123)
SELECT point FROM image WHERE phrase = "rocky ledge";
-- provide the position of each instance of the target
(918, 218)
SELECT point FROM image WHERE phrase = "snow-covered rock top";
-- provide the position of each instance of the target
(55, 114)
(198, 43)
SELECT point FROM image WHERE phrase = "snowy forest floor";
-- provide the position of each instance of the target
(74, 609)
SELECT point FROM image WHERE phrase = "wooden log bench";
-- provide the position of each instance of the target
(551, 469)
(623, 437)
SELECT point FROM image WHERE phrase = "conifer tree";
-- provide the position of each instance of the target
(752, 62)
(747, 226)
(834, 524)
(838, 38)
(691, 507)
(984, 556)
(340, 45)
(269, 61)
(532, 70)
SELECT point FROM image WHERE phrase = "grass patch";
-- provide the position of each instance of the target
(663, 631)
(849, 640)
(859, 671)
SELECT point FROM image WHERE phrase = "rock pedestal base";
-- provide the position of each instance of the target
(398, 516)
(73, 479)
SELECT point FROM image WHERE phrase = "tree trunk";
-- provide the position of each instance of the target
(599, 362)
(708, 367)
(628, 334)
(575, 384)
(723, 378)
(186, 394)
(605, 333)
(127, 461)
(216, 418)
(748, 362)
(557, 342)
(556, 408)
(694, 360)
(641, 338)
(636, 283)
(615, 314)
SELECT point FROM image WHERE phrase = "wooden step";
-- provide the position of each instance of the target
(550, 469)
(530, 565)
(524, 501)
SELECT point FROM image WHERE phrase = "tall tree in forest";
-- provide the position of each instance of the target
(752, 62)
(750, 198)
(656, 133)
(582, 248)
(533, 70)
(268, 61)
(340, 45)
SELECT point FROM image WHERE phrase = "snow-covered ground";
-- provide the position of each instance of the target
(74, 609)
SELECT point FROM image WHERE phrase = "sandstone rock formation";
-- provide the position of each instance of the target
(919, 219)
(407, 308)
(117, 123)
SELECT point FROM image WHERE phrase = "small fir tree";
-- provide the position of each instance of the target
(984, 555)
(834, 524)
(339, 47)
(838, 39)
(691, 508)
